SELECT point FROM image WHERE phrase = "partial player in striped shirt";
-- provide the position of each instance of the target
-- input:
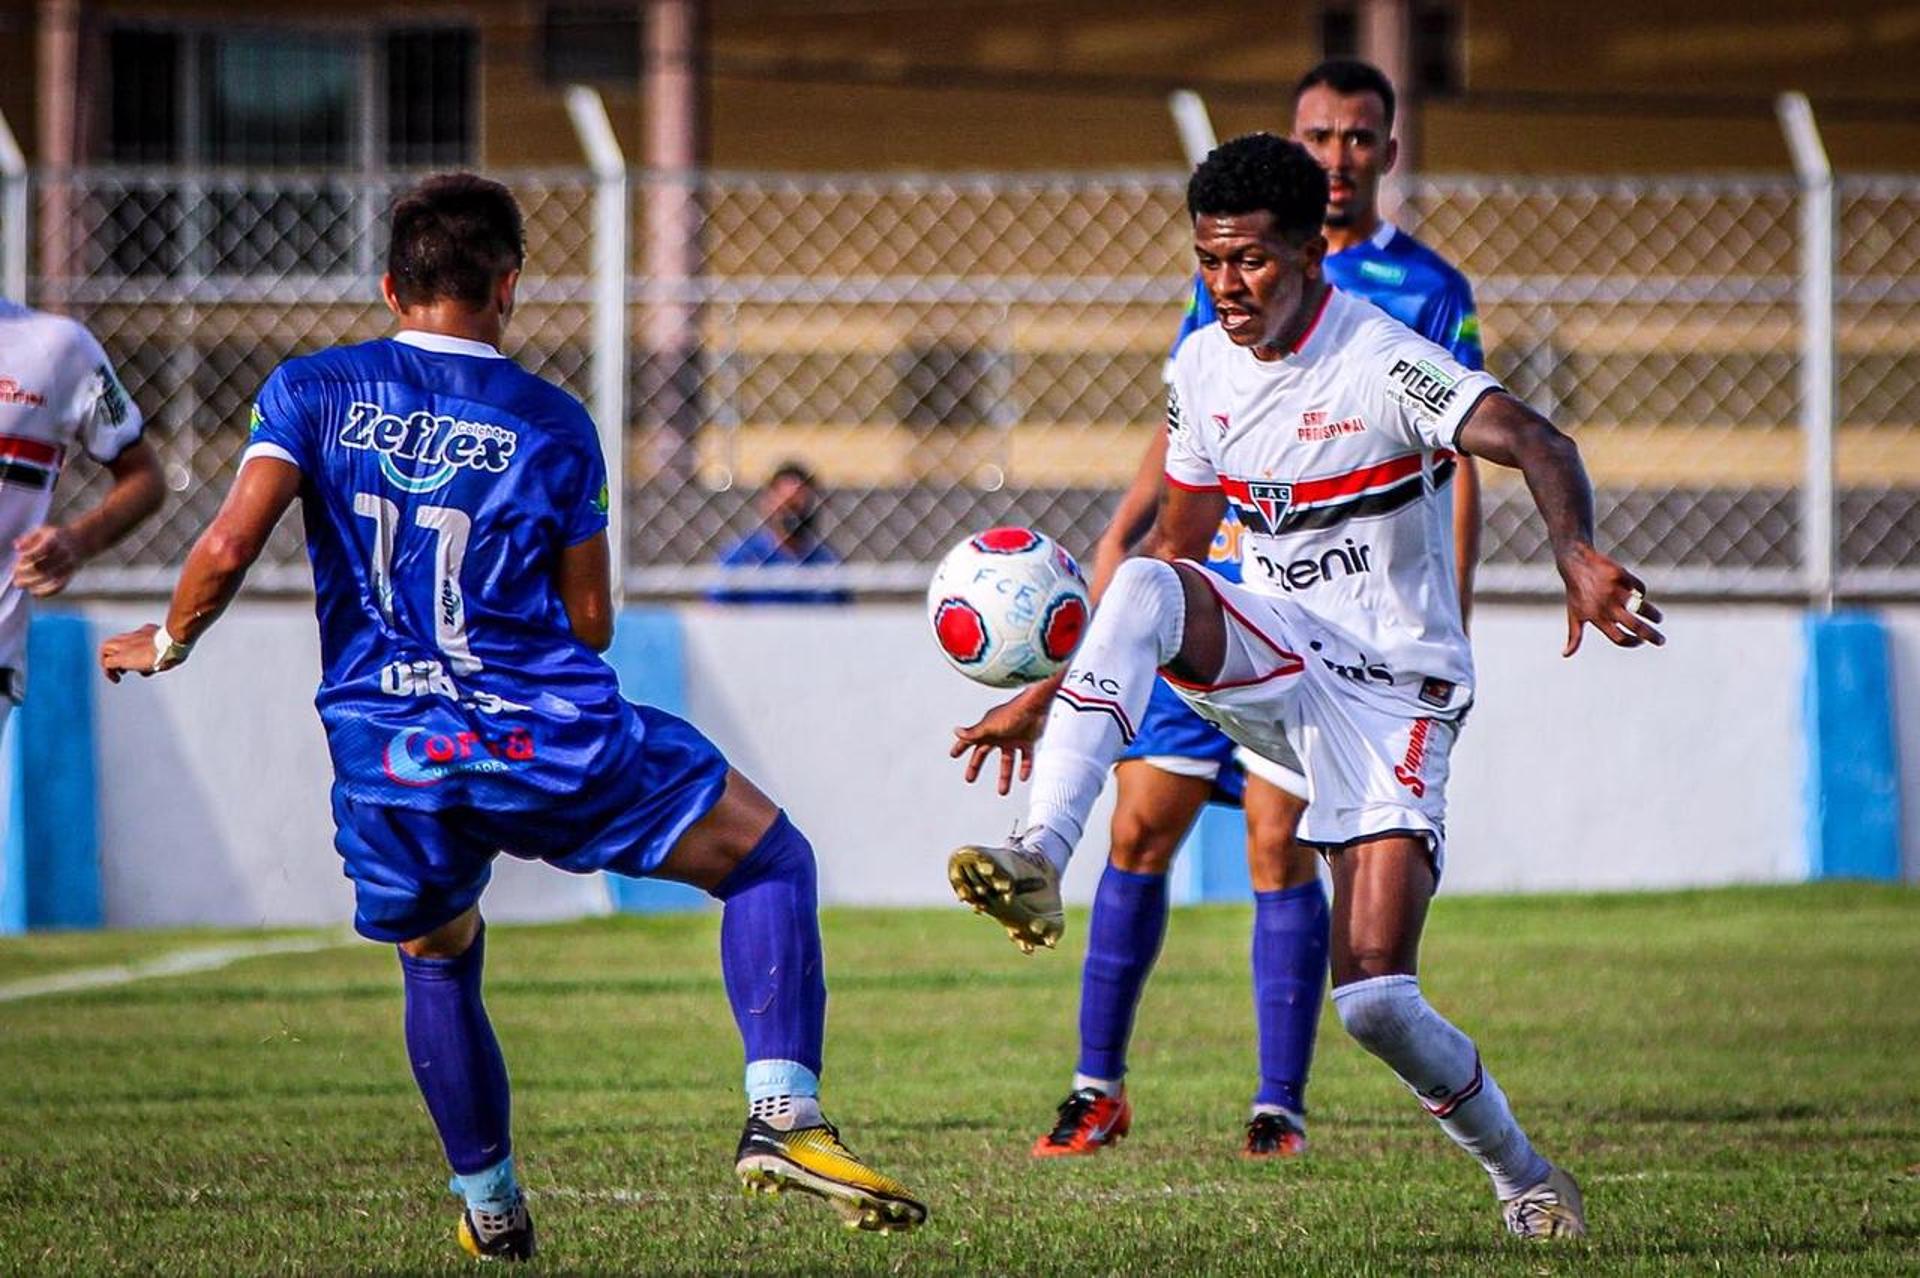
(59, 396)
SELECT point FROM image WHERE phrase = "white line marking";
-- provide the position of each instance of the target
(178, 963)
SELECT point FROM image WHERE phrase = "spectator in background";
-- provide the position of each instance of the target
(788, 536)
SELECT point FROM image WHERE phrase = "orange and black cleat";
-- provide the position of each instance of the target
(1274, 1135)
(1088, 1121)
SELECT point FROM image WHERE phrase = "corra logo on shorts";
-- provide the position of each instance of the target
(419, 758)
(1407, 771)
(432, 448)
(1422, 384)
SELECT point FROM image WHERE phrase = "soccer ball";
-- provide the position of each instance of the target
(1008, 607)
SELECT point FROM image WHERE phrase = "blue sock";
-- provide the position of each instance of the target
(770, 959)
(1290, 930)
(456, 1060)
(1129, 921)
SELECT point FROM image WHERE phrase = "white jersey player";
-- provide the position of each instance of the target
(58, 396)
(1327, 424)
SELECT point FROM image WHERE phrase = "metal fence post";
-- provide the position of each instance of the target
(609, 167)
(13, 215)
(1817, 373)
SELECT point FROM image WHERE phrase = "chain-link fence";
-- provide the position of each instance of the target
(951, 352)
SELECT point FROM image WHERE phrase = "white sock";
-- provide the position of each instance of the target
(1105, 1086)
(1388, 1017)
(787, 1113)
(1135, 630)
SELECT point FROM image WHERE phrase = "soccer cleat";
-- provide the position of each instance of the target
(503, 1235)
(1017, 886)
(1088, 1121)
(813, 1160)
(1274, 1135)
(1551, 1209)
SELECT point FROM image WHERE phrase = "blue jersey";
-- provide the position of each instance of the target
(440, 482)
(1404, 278)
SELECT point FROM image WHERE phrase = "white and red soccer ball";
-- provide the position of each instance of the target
(1008, 607)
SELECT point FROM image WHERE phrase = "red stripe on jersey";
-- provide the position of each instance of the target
(1311, 492)
(37, 451)
(1195, 488)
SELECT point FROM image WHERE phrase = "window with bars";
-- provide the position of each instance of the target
(236, 110)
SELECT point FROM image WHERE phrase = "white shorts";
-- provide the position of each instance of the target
(1373, 767)
(1286, 776)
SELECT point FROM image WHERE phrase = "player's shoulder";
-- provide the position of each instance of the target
(1418, 256)
(52, 332)
(1202, 347)
(333, 364)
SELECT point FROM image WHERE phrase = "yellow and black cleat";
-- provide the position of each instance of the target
(507, 1235)
(813, 1160)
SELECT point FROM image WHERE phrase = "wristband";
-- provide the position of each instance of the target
(168, 652)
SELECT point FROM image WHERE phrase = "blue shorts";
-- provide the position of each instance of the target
(415, 870)
(1171, 730)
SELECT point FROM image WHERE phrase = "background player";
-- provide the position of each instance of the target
(58, 391)
(1343, 114)
(1364, 661)
(456, 516)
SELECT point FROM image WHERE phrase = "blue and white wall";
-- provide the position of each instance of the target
(1759, 746)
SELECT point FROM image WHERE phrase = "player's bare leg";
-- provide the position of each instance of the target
(1290, 924)
(463, 1079)
(1382, 888)
(1153, 811)
(1153, 615)
(746, 853)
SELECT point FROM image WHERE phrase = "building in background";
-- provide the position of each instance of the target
(932, 247)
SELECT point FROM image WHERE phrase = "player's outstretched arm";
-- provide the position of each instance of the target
(1600, 592)
(215, 567)
(47, 557)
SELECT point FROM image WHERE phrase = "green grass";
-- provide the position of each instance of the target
(1734, 1075)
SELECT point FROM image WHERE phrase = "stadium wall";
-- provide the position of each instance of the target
(1615, 770)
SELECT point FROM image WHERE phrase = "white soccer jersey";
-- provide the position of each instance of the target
(57, 391)
(1335, 457)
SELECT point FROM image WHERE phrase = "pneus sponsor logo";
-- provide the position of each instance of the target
(1423, 384)
(1407, 771)
(1308, 571)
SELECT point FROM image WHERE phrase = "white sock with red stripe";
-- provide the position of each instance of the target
(1135, 630)
(1388, 1017)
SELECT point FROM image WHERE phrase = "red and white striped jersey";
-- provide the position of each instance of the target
(57, 393)
(1336, 457)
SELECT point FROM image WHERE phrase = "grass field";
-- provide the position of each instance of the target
(1734, 1075)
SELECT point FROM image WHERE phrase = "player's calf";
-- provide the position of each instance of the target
(1388, 1016)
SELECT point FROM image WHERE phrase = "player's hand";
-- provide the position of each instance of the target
(45, 560)
(1602, 594)
(1012, 728)
(130, 653)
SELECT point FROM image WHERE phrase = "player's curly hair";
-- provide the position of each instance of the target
(1260, 172)
(453, 236)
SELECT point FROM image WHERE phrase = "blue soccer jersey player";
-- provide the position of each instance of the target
(455, 510)
(1178, 762)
